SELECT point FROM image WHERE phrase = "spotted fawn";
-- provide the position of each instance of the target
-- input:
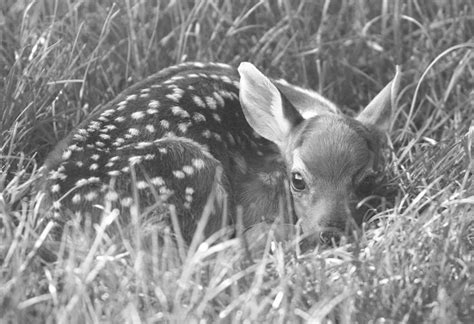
(197, 136)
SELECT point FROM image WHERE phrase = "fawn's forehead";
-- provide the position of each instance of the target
(334, 147)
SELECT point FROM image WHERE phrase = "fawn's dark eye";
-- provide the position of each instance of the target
(367, 184)
(297, 181)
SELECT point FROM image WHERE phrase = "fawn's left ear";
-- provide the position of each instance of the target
(267, 111)
(378, 112)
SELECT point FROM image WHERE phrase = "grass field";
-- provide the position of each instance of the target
(60, 60)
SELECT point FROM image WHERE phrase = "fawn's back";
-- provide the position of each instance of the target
(198, 135)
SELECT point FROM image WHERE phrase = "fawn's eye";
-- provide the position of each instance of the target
(367, 184)
(297, 181)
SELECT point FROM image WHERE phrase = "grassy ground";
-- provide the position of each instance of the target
(59, 60)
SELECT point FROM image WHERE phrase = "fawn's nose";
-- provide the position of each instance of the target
(325, 212)
(329, 219)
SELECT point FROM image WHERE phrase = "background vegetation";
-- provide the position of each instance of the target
(60, 60)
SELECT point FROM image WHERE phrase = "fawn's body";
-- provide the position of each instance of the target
(184, 137)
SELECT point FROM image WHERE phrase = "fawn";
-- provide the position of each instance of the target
(197, 135)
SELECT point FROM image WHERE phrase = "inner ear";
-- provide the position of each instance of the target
(307, 102)
(266, 110)
(378, 113)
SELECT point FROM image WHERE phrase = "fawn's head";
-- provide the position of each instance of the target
(331, 159)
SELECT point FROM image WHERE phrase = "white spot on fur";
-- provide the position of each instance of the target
(206, 133)
(165, 124)
(219, 99)
(177, 77)
(108, 113)
(183, 127)
(154, 104)
(126, 202)
(198, 163)
(217, 136)
(176, 95)
(179, 174)
(73, 147)
(90, 196)
(152, 111)
(66, 154)
(112, 196)
(198, 101)
(157, 181)
(82, 131)
(189, 170)
(119, 119)
(137, 115)
(118, 141)
(163, 191)
(133, 131)
(150, 128)
(114, 173)
(143, 145)
(217, 118)
(93, 180)
(131, 97)
(199, 118)
(55, 188)
(79, 137)
(93, 126)
(95, 157)
(76, 198)
(178, 111)
(226, 79)
(110, 127)
(122, 105)
(142, 185)
(211, 102)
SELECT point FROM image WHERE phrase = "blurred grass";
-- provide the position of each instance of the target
(59, 60)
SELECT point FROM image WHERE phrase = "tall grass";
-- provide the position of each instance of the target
(60, 60)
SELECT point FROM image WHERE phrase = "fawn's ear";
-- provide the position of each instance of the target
(267, 111)
(308, 103)
(378, 112)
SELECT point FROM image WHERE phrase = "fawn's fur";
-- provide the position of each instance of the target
(195, 131)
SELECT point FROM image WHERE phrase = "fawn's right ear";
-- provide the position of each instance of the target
(378, 113)
(267, 111)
